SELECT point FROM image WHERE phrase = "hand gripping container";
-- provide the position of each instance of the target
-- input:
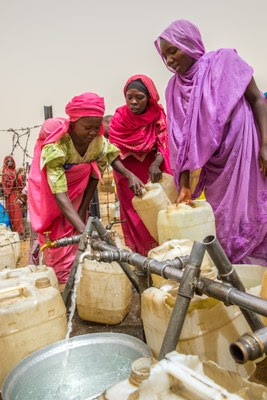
(148, 206)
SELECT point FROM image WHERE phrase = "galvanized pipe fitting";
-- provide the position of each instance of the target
(250, 346)
(229, 275)
(186, 292)
(65, 241)
(109, 253)
(168, 269)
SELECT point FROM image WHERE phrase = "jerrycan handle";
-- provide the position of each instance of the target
(12, 289)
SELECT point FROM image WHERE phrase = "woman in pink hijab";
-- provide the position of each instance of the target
(69, 157)
(139, 130)
(218, 122)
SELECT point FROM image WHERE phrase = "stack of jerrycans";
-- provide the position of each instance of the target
(32, 314)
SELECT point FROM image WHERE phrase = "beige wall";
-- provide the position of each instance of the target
(55, 49)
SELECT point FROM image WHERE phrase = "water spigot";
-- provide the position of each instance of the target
(110, 225)
(48, 242)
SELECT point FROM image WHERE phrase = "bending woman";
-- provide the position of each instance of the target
(218, 122)
(69, 157)
(139, 130)
(12, 183)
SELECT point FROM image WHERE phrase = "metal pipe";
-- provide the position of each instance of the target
(138, 280)
(66, 241)
(111, 253)
(250, 346)
(48, 112)
(169, 269)
(96, 245)
(186, 292)
(231, 296)
(229, 275)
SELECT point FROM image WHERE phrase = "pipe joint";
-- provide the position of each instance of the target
(250, 346)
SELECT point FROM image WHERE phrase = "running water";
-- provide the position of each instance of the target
(63, 388)
(73, 299)
(41, 258)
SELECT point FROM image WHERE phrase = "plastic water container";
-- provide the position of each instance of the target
(177, 248)
(186, 222)
(168, 185)
(140, 371)
(254, 278)
(177, 377)
(14, 237)
(104, 293)
(148, 206)
(208, 330)
(9, 247)
(251, 275)
(31, 318)
(12, 277)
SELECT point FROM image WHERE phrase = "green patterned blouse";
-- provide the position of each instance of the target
(56, 155)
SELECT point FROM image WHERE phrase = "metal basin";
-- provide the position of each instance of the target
(95, 362)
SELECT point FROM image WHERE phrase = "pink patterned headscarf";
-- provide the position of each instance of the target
(87, 104)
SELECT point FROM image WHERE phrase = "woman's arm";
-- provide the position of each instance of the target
(155, 172)
(64, 204)
(134, 182)
(259, 110)
(87, 197)
(185, 193)
(77, 219)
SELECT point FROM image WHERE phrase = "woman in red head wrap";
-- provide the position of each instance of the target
(12, 183)
(69, 157)
(139, 130)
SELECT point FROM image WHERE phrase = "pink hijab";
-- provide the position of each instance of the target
(138, 134)
(42, 205)
(85, 105)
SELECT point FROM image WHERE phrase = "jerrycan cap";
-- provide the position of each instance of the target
(41, 283)
(140, 370)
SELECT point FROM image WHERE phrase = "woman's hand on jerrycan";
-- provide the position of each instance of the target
(263, 159)
(185, 196)
(136, 185)
(155, 173)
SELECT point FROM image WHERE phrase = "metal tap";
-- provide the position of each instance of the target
(110, 225)
(48, 242)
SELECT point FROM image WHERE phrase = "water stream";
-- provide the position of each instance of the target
(41, 258)
(64, 390)
(77, 373)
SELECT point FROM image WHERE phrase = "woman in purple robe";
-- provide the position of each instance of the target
(217, 121)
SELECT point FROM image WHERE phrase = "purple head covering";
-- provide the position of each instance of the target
(211, 126)
(185, 36)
